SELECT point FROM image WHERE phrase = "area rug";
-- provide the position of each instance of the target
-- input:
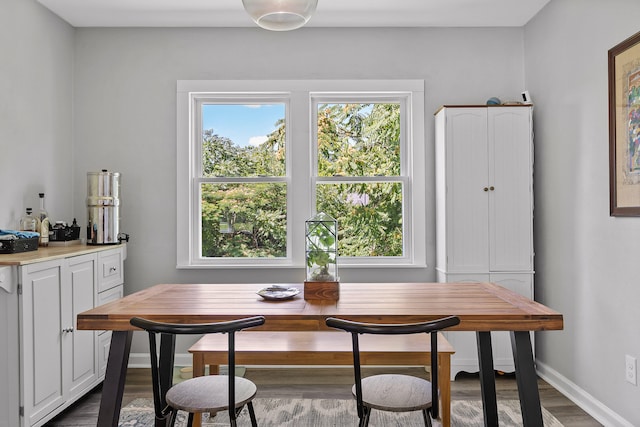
(334, 413)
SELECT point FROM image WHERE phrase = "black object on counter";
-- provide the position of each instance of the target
(65, 233)
(19, 245)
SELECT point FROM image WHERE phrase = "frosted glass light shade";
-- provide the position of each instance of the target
(280, 15)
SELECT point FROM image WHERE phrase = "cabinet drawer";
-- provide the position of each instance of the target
(110, 295)
(104, 337)
(104, 344)
(110, 265)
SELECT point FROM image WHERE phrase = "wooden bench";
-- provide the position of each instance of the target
(325, 348)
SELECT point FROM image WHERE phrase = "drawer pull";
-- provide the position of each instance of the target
(67, 330)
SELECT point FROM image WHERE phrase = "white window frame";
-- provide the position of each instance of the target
(301, 133)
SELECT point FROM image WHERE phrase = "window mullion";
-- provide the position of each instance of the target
(241, 180)
(358, 179)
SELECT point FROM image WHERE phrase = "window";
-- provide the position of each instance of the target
(360, 172)
(242, 178)
(351, 149)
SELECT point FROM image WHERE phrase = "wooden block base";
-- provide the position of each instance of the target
(322, 291)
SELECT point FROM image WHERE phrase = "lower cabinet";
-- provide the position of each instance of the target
(465, 358)
(44, 343)
(57, 363)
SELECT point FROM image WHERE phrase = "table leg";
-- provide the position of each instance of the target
(487, 379)
(114, 379)
(526, 378)
(445, 389)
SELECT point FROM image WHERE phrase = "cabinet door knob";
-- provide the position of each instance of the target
(112, 269)
(492, 188)
(486, 189)
(67, 330)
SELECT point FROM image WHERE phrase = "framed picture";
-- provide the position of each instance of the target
(624, 128)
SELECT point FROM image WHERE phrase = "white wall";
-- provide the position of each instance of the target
(586, 261)
(125, 99)
(36, 152)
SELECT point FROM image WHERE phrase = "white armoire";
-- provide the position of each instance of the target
(484, 210)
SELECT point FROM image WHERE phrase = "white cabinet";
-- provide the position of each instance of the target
(49, 363)
(43, 340)
(81, 366)
(484, 209)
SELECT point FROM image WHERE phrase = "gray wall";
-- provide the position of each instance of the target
(586, 261)
(36, 73)
(125, 118)
(88, 99)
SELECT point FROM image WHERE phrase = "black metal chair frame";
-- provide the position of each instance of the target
(357, 328)
(162, 363)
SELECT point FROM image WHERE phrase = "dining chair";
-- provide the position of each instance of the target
(210, 393)
(395, 392)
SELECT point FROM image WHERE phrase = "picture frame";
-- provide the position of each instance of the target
(624, 127)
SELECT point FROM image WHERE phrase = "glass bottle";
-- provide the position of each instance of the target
(28, 222)
(43, 216)
(75, 230)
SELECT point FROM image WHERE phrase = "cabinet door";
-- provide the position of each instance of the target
(80, 352)
(42, 338)
(9, 348)
(466, 198)
(511, 197)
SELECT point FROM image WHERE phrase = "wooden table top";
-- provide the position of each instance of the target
(480, 306)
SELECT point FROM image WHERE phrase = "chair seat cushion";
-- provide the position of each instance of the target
(396, 393)
(209, 393)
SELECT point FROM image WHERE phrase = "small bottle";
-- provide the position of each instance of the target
(29, 222)
(43, 216)
(75, 230)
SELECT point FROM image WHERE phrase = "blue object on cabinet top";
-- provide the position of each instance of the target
(14, 234)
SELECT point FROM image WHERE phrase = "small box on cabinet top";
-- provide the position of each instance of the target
(18, 245)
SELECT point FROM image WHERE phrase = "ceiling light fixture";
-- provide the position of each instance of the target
(280, 15)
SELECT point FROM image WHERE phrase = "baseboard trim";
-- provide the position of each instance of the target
(581, 398)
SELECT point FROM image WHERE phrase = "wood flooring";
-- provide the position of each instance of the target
(323, 383)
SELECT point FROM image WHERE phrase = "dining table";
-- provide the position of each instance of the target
(481, 307)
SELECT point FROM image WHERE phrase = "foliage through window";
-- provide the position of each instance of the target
(245, 219)
(358, 140)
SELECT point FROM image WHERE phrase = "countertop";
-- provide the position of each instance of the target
(53, 252)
